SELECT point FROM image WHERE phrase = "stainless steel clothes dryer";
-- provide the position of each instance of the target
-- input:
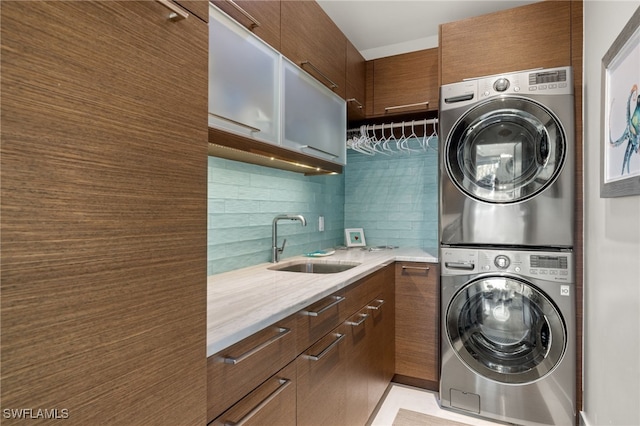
(508, 335)
(507, 162)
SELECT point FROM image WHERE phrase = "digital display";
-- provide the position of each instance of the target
(547, 77)
(549, 262)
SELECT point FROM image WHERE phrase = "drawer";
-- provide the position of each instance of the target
(318, 319)
(234, 372)
(362, 292)
(273, 403)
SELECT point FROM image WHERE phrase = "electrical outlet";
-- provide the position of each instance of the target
(321, 223)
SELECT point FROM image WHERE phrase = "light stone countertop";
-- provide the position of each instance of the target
(244, 301)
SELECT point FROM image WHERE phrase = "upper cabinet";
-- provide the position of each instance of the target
(260, 17)
(244, 81)
(313, 42)
(532, 36)
(403, 84)
(315, 121)
(356, 72)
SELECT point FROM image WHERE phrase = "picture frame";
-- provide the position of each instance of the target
(354, 237)
(619, 148)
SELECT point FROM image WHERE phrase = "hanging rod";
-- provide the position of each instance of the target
(387, 126)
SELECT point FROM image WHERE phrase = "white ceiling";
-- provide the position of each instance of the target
(379, 28)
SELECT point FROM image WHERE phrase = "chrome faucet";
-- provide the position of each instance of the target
(275, 250)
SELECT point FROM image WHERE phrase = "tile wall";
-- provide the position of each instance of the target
(244, 198)
(393, 198)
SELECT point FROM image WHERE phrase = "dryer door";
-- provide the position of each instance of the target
(505, 150)
(506, 330)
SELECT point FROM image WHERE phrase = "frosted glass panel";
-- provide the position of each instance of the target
(315, 119)
(243, 80)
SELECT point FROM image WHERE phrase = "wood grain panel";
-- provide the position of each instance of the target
(228, 383)
(199, 8)
(404, 80)
(104, 180)
(417, 320)
(279, 410)
(266, 12)
(521, 38)
(308, 34)
(356, 73)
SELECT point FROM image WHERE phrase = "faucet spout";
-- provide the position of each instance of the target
(275, 250)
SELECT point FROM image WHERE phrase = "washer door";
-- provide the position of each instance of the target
(505, 150)
(506, 330)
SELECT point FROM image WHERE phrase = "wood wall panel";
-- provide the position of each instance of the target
(516, 39)
(104, 174)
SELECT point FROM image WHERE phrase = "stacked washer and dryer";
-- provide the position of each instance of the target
(506, 233)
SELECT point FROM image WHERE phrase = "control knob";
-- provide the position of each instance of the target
(501, 84)
(502, 261)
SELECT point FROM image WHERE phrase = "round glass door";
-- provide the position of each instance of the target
(505, 150)
(506, 330)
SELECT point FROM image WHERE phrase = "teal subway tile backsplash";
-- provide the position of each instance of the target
(393, 198)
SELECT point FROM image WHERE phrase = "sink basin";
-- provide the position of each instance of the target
(308, 267)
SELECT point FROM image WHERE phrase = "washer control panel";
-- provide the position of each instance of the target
(550, 266)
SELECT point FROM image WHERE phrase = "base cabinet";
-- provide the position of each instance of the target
(417, 324)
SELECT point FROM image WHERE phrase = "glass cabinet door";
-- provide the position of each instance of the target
(244, 81)
(315, 119)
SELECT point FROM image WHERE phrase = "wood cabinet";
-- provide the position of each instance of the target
(104, 211)
(199, 8)
(417, 324)
(526, 37)
(402, 84)
(356, 76)
(237, 370)
(312, 41)
(262, 17)
(271, 403)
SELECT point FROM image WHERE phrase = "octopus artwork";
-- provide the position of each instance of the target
(631, 132)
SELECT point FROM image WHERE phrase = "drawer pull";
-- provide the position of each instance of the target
(254, 21)
(239, 123)
(363, 318)
(337, 300)
(417, 268)
(332, 85)
(283, 385)
(282, 331)
(380, 302)
(177, 13)
(339, 336)
(360, 106)
(319, 150)
(425, 104)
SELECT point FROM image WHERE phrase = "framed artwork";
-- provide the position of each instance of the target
(354, 237)
(620, 150)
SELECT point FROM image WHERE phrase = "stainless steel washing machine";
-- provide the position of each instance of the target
(507, 161)
(508, 335)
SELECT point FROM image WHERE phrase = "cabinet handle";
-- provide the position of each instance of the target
(337, 300)
(363, 318)
(375, 308)
(339, 336)
(418, 268)
(332, 85)
(177, 13)
(319, 150)
(254, 21)
(283, 385)
(282, 331)
(253, 129)
(360, 106)
(425, 103)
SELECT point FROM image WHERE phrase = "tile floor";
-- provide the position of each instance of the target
(422, 401)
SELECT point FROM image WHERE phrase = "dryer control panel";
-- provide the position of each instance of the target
(550, 266)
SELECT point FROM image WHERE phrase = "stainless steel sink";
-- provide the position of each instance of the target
(308, 267)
